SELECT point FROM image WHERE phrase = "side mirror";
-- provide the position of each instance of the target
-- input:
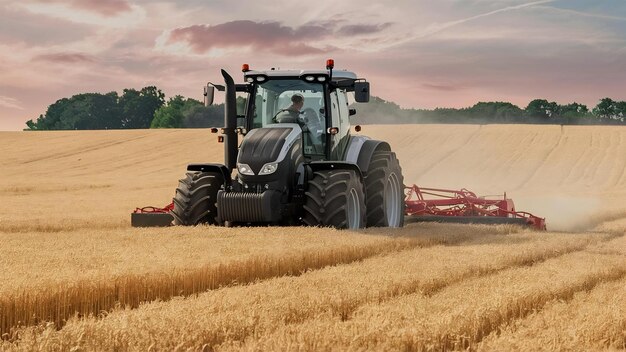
(209, 94)
(362, 92)
(352, 112)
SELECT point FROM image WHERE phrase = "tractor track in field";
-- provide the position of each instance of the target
(449, 154)
(91, 148)
(544, 162)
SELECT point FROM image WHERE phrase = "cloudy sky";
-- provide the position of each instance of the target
(418, 53)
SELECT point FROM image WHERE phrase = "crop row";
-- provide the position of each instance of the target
(59, 301)
(246, 314)
(457, 317)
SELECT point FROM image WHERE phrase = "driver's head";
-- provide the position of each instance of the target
(297, 101)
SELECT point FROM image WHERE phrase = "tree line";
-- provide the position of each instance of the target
(538, 111)
(147, 108)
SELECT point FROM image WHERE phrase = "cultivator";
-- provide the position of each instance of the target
(463, 206)
(421, 205)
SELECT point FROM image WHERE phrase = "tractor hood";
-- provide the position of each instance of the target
(267, 145)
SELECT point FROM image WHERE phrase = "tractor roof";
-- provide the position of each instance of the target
(337, 74)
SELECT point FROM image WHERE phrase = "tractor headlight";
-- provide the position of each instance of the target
(244, 169)
(268, 169)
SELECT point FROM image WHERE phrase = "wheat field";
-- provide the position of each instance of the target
(77, 277)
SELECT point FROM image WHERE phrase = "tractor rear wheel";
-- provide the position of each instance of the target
(384, 186)
(194, 202)
(335, 198)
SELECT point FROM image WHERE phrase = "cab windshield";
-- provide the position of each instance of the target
(293, 101)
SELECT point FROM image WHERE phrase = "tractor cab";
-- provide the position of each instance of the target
(315, 100)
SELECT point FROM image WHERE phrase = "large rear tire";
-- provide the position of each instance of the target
(335, 198)
(384, 186)
(196, 195)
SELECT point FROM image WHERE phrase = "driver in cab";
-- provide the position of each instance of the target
(292, 113)
(309, 123)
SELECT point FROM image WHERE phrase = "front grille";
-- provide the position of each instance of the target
(248, 207)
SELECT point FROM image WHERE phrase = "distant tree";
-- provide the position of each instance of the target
(606, 109)
(542, 109)
(496, 111)
(138, 107)
(173, 114)
(573, 110)
(202, 117)
(241, 105)
(51, 118)
(88, 111)
(620, 110)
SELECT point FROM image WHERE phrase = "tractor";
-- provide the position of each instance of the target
(298, 163)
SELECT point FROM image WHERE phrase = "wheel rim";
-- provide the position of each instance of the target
(393, 207)
(354, 210)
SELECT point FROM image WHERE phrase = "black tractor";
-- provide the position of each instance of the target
(297, 163)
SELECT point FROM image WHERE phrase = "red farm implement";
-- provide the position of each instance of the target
(463, 206)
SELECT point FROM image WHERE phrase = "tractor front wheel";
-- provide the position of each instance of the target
(335, 198)
(196, 195)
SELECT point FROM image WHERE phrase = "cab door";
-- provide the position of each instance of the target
(340, 115)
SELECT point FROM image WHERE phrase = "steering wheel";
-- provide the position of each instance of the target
(312, 118)
(300, 120)
(310, 114)
(278, 113)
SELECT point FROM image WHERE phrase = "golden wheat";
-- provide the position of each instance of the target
(457, 317)
(234, 314)
(66, 247)
(95, 282)
(592, 320)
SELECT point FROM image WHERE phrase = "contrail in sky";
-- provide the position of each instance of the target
(443, 26)
(584, 14)
(10, 103)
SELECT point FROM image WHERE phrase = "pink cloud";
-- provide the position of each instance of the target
(440, 87)
(272, 37)
(65, 58)
(361, 29)
(107, 8)
(265, 36)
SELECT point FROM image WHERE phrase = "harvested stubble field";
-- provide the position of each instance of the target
(76, 276)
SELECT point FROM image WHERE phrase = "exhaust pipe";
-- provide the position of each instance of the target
(230, 123)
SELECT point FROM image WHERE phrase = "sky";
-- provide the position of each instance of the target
(417, 53)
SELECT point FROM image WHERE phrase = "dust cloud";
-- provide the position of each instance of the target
(563, 213)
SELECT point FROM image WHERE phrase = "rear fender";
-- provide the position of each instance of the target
(361, 149)
(332, 165)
